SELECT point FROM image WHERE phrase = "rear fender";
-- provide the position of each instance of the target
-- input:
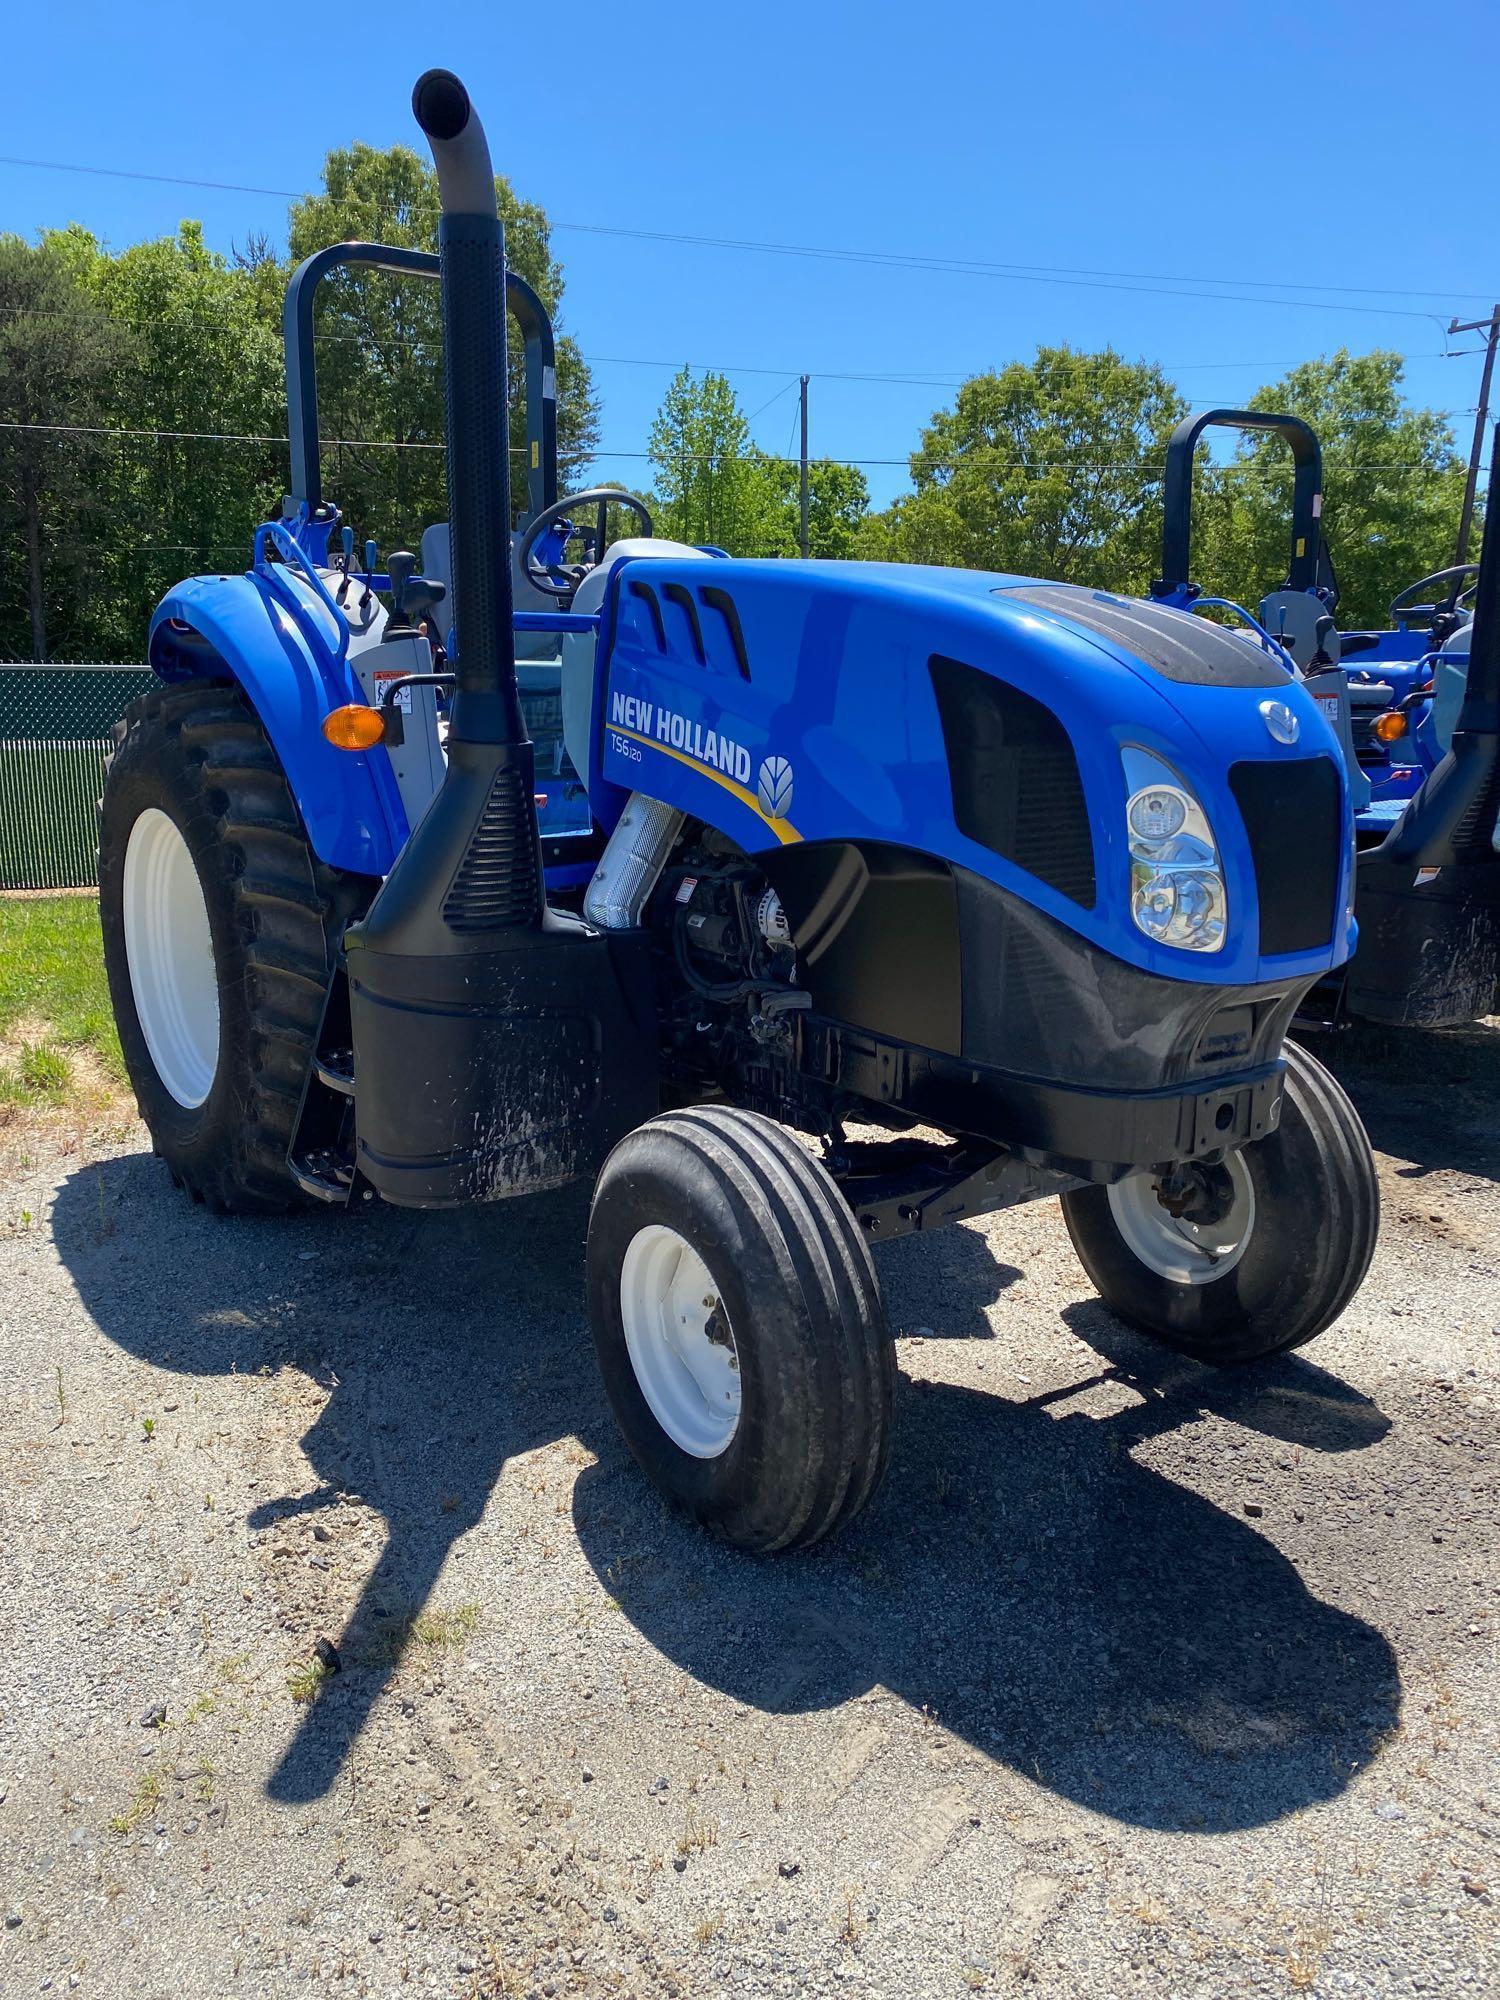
(216, 627)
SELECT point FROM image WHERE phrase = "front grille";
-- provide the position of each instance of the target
(496, 886)
(1292, 813)
(1015, 782)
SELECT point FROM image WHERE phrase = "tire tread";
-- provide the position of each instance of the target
(289, 912)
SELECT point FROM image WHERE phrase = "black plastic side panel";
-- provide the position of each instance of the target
(1039, 1000)
(903, 947)
(1014, 774)
(877, 936)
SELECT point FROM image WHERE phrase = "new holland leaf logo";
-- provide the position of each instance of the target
(774, 787)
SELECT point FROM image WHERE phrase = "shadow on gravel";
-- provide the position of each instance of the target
(1290, 1398)
(1429, 1097)
(1069, 1611)
(447, 1344)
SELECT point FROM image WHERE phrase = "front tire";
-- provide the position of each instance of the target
(1284, 1248)
(739, 1329)
(220, 927)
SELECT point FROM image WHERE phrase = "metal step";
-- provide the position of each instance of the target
(325, 1175)
(320, 1158)
(335, 1069)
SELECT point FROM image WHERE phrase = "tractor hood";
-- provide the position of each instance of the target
(790, 702)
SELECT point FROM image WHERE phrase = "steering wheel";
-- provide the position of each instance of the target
(1401, 608)
(562, 579)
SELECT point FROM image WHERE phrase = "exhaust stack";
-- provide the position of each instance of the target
(471, 252)
(497, 1049)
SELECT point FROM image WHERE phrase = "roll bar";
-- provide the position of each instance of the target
(1307, 495)
(301, 364)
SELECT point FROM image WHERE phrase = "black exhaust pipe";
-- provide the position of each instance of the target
(1428, 898)
(499, 1046)
(471, 251)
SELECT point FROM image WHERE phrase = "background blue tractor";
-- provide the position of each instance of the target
(1407, 686)
(891, 896)
(1430, 944)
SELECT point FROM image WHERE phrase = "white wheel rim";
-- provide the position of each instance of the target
(1183, 1252)
(170, 952)
(679, 1341)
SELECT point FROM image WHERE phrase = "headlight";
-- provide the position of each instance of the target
(1158, 813)
(1176, 884)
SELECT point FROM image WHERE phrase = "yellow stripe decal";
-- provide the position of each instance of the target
(783, 829)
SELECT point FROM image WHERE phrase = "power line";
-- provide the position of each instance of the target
(772, 399)
(1034, 275)
(981, 455)
(130, 174)
(954, 380)
(1156, 284)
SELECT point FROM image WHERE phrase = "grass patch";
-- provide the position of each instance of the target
(698, 1834)
(53, 996)
(306, 1683)
(449, 1630)
(439, 1631)
(147, 1798)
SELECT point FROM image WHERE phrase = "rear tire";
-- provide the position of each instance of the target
(202, 852)
(1293, 1248)
(762, 1404)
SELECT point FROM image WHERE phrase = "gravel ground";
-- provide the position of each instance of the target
(1136, 1679)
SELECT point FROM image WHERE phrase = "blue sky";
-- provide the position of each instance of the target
(1280, 150)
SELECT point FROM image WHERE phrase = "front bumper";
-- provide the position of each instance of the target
(1096, 1133)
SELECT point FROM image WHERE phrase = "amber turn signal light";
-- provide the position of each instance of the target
(354, 727)
(1388, 727)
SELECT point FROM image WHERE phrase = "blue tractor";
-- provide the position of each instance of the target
(1405, 703)
(1297, 619)
(896, 896)
(1406, 683)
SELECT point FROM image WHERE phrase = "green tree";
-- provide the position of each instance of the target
(1393, 485)
(1049, 468)
(379, 341)
(199, 379)
(57, 356)
(713, 485)
(838, 499)
(176, 350)
(710, 485)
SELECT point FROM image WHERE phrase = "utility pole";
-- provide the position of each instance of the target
(1491, 328)
(802, 495)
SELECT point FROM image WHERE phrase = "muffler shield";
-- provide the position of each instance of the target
(499, 1072)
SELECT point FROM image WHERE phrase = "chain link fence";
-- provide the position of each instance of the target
(54, 732)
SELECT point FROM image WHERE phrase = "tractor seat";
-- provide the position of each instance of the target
(531, 647)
